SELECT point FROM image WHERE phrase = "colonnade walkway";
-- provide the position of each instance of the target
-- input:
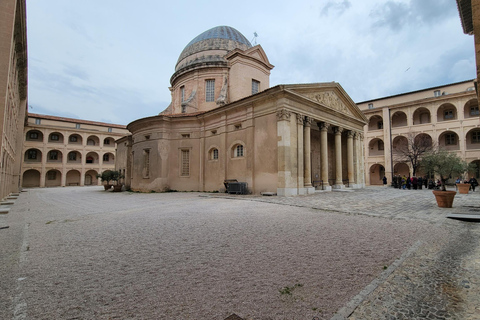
(373, 253)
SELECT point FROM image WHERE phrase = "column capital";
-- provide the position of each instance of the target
(299, 118)
(351, 134)
(308, 121)
(283, 114)
(338, 130)
(324, 126)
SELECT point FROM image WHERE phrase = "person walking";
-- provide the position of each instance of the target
(404, 182)
(384, 181)
(420, 183)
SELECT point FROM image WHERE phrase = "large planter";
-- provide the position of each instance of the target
(463, 187)
(107, 186)
(444, 198)
(117, 187)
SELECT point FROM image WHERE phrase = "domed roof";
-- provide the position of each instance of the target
(218, 38)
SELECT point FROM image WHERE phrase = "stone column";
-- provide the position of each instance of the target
(324, 155)
(338, 158)
(287, 185)
(306, 154)
(300, 150)
(351, 170)
(360, 179)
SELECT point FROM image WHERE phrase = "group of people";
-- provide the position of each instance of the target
(416, 183)
(403, 182)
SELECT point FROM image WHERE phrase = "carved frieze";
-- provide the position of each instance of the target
(330, 99)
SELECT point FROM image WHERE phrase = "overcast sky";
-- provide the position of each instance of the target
(111, 60)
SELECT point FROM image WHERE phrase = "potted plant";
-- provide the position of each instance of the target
(444, 164)
(106, 177)
(117, 176)
(463, 188)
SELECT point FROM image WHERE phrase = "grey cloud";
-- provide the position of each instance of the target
(339, 7)
(395, 15)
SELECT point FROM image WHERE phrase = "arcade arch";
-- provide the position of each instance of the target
(448, 140)
(399, 119)
(32, 155)
(34, 135)
(31, 179)
(421, 116)
(375, 123)
(72, 178)
(91, 178)
(446, 112)
(471, 109)
(53, 178)
(55, 137)
(377, 172)
(376, 147)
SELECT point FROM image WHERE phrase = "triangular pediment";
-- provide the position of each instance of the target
(330, 96)
(256, 53)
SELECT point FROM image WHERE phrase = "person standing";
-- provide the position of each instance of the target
(473, 183)
(384, 181)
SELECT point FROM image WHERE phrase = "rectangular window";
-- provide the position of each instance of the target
(38, 121)
(106, 157)
(450, 139)
(210, 91)
(474, 111)
(370, 106)
(381, 145)
(476, 137)
(109, 129)
(146, 163)
(72, 156)
(185, 164)
(32, 154)
(54, 137)
(448, 114)
(182, 93)
(380, 124)
(33, 135)
(255, 86)
(436, 93)
(238, 151)
(53, 155)
(77, 125)
(215, 154)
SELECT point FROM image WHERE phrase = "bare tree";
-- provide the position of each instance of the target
(412, 148)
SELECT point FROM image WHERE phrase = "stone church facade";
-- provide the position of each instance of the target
(225, 122)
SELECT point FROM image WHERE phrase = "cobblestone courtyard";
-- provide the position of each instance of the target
(376, 253)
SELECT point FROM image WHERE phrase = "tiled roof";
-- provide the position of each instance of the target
(465, 10)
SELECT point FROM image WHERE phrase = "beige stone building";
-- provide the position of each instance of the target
(470, 17)
(225, 122)
(67, 152)
(13, 92)
(448, 116)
